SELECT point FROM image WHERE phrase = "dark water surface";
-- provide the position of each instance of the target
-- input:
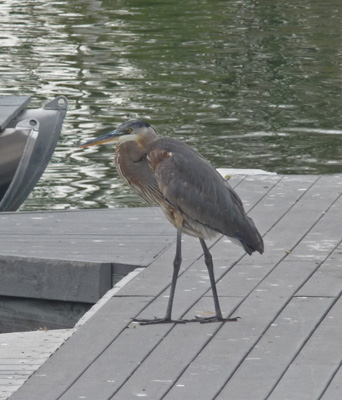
(250, 84)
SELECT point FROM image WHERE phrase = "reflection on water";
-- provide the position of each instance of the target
(248, 83)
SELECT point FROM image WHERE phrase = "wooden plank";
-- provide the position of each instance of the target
(59, 372)
(6, 391)
(197, 361)
(172, 254)
(22, 353)
(253, 188)
(100, 382)
(104, 300)
(272, 208)
(118, 221)
(155, 304)
(326, 281)
(290, 230)
(101, 236)
(162, 367)
(313, 368)
(334, 390)
(15, 368)
(281, 198)
(232, 343)
(20, 349)
(143, 378)
(138, 251)
(265, 364)
(324, 236)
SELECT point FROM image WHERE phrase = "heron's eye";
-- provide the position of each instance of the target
(128, 130)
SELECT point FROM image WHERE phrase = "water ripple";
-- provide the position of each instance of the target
(248, 84)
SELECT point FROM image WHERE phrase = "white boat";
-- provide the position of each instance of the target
(28, 138)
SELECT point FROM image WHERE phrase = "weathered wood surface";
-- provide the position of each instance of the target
(118, 236)
(287, 344)
(22, 353)
(77, 255)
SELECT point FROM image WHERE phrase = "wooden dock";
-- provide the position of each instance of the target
(287, 344)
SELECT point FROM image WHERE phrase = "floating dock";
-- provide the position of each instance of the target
(285, 346)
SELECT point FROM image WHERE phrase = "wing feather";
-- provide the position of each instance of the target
(194, 188)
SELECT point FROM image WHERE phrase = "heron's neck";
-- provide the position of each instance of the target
(128, 152)
(144, 141)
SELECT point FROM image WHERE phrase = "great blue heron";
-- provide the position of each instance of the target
(192, 194)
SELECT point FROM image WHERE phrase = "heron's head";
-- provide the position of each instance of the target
(134, 130)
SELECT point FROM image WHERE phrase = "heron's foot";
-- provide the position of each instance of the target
(205, 320)
(156, 320)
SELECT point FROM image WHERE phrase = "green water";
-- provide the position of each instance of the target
(250, 84)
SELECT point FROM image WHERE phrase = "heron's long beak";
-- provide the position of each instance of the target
(106, 138)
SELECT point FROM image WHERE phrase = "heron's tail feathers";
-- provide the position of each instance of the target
(249, 249)
(251, 239)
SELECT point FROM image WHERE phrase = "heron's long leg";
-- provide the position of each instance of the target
(210, 266)
(209, 263)
(176, 267)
